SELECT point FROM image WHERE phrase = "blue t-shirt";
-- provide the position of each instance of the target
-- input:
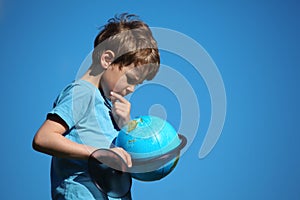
(87, 114)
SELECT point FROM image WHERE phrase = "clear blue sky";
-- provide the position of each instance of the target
(255, 46)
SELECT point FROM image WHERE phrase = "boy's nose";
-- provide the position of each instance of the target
(130, 89)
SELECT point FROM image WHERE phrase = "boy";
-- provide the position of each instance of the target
(89, 112)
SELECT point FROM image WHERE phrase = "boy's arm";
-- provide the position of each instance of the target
(49, 139)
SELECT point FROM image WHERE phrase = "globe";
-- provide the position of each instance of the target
(149, 139)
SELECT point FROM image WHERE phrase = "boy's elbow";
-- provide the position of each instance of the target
(37, 143)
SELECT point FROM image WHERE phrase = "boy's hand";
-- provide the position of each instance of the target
(124, 155)
(120, 109)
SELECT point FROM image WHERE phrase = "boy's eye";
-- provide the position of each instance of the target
(132, 80)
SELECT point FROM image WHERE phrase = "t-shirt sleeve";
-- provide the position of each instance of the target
(72, 104)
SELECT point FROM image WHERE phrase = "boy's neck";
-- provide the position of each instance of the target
(92, 77)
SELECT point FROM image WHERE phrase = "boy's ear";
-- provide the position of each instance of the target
(107, 58)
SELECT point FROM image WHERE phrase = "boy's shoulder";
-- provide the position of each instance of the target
(79, 86)
(78, 89)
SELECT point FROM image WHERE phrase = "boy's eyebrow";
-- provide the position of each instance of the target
(134, 77)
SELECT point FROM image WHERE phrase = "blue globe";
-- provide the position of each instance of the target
(149, 137)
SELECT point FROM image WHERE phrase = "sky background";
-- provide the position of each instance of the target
(255, 45)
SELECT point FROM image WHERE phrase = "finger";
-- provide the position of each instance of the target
(127, 158)
(118, 97)
(121, 117)
(121, 106)
(124, 155)
(118, 111)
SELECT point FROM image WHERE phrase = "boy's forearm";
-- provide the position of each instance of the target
(59, 146)
(50, 140)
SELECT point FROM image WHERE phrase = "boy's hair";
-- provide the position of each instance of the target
(131, 41)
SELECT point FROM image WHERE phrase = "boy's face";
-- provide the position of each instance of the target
(121, 81)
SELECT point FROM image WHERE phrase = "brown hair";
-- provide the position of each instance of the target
(132, 42)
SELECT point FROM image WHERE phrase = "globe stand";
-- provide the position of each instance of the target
(153, 163)
(111, 174)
